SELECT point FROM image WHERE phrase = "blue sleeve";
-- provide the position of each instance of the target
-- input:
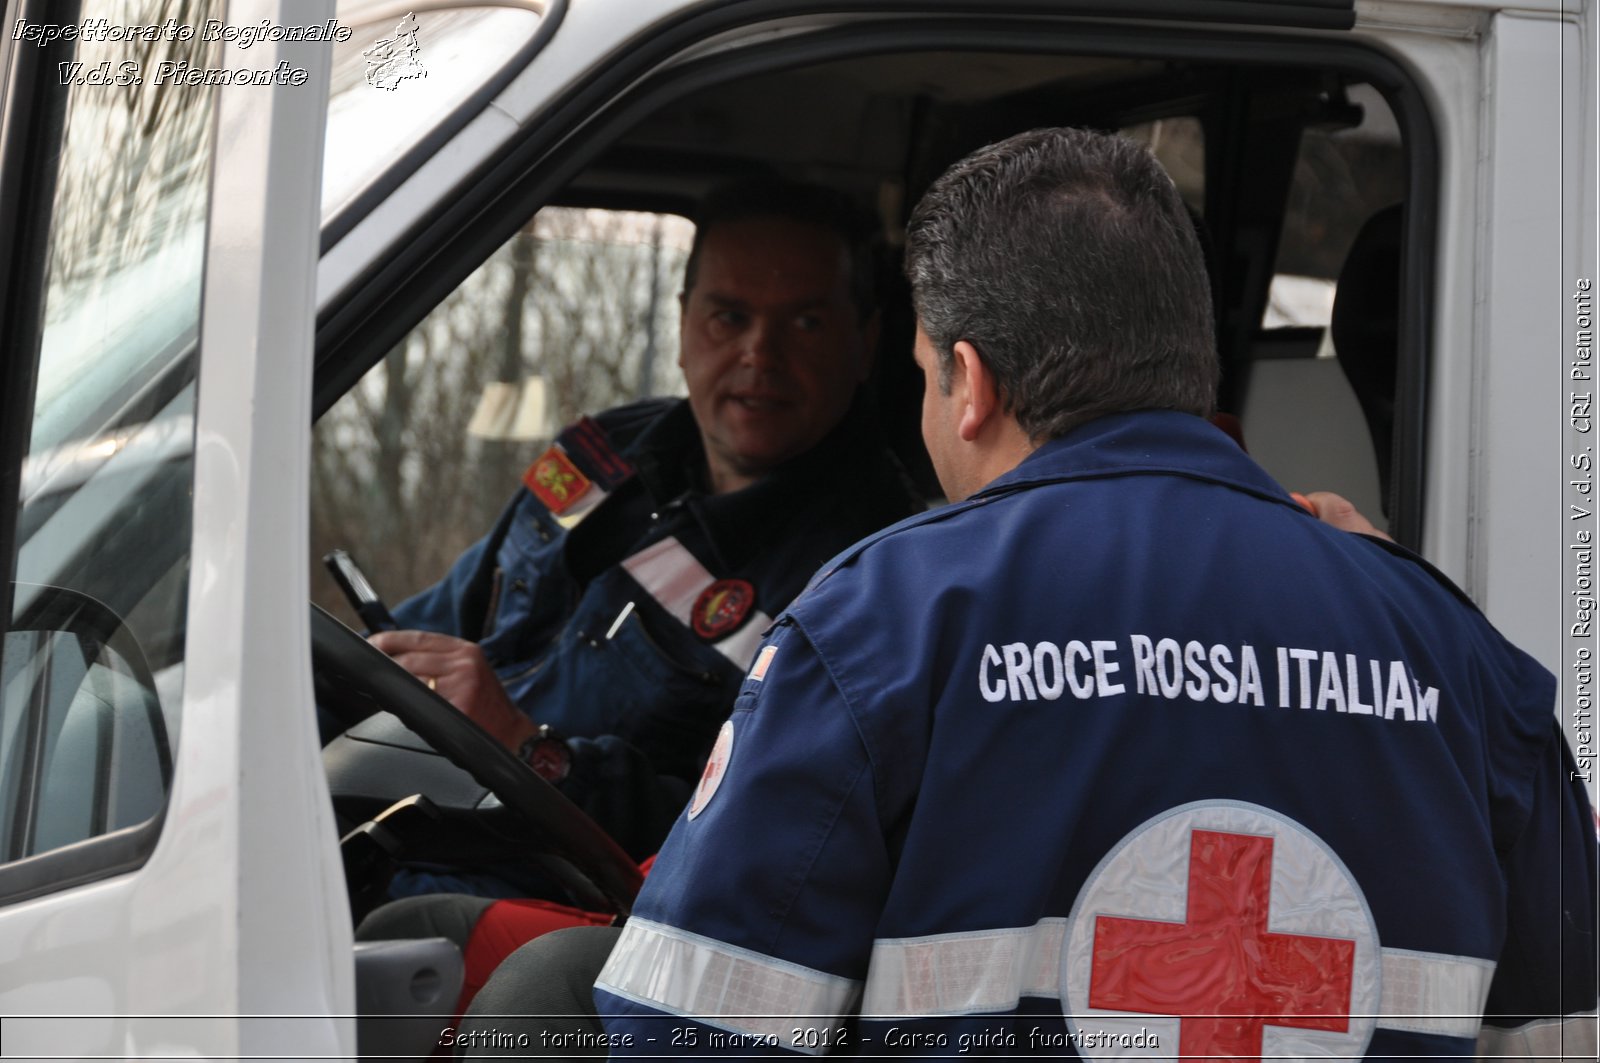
(1542, 999)
(755, 927)
(459, 603)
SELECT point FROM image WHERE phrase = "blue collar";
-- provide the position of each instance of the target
(1139, 443)
(1142, 442)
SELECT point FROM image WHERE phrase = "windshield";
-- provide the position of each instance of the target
(124, 281)
(405, 68)
(125, 278)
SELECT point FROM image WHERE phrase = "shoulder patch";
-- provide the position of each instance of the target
(555, 480)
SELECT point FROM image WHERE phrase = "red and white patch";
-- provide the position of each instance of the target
(721, 607)
(758, 671)
(716, 768)
(555, 481)
(1226, 930)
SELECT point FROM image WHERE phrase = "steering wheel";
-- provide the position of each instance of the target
(361, 673)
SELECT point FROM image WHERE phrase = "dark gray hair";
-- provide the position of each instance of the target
(1067, 259)
(806, 204)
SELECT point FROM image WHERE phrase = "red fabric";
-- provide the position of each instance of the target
(504, 927)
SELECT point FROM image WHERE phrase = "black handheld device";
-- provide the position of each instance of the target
(358, 590)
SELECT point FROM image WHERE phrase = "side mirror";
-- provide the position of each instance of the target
(84, 750)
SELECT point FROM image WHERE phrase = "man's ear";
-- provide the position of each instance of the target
(981, 396)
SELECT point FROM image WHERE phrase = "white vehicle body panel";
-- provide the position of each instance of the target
(1448, 69)
(1526, 270)
(240, 910)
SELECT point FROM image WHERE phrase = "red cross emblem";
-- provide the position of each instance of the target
(1220, 925)
(1222, 971)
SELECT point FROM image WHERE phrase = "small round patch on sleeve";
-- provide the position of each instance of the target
(716, 768)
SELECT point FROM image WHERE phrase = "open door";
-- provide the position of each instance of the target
(167, 855)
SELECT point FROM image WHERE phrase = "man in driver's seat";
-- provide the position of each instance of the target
(602, 627)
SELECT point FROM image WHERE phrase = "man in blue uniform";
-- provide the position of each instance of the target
(1123, 753)
(602, 627)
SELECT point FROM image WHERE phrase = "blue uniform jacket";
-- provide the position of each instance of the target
(1124, 755)
(587, 619)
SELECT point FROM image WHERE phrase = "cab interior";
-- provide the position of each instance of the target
(546, 285)
(1280, 164)
(572, 307)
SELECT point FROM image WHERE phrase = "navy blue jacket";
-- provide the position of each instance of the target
(585, 615)
(1126, 753)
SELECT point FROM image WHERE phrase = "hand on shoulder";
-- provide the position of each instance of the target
(1338, 511)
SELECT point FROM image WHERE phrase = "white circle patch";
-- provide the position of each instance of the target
(1221, 929)
(716, 768)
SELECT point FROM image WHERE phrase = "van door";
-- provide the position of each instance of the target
(168, 864)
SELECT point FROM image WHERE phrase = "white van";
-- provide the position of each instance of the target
(437, 229)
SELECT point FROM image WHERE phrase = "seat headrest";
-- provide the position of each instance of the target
(1366, 327)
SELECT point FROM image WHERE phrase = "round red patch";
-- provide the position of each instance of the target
(722, 607)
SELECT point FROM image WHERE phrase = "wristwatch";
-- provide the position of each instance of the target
(547, 753)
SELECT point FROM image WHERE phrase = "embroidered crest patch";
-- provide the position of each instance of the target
(722, 607)
(555, 481)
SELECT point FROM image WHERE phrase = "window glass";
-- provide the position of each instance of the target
(576, 313)
(400, 74)
(1342, 177)
(91, 666)
(1179, 144)
(1305, 422)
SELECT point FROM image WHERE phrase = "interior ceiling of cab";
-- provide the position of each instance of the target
(856, 123)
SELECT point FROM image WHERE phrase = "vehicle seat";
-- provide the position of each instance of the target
(1365, 326)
